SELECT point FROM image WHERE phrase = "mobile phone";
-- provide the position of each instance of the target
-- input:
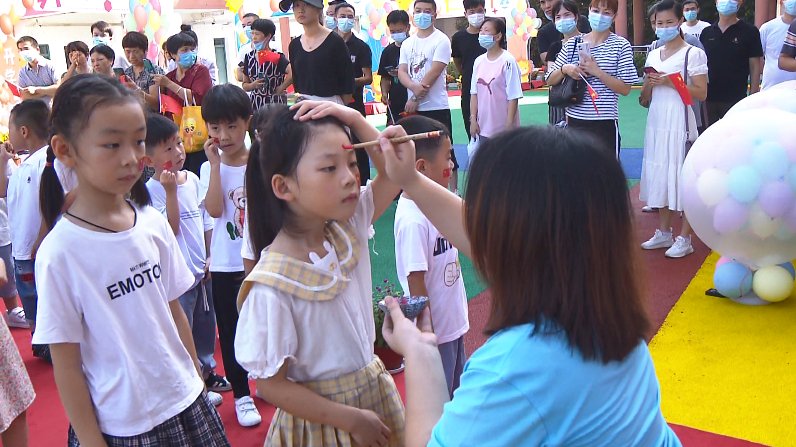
(584, 50)
(650, 70)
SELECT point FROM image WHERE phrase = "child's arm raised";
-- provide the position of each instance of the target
(365, 426)
(169, 181)
(72, 387)
(214, 199)
(384, 190)
(443, 208)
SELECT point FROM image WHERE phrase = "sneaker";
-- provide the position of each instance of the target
(247, 413)
(648, 209)
(16, 318)
(42, 352)
(214, 398)
(217, 383)
(659, 240)
(682, 247)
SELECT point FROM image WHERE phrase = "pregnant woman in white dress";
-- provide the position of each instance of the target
(667, 133)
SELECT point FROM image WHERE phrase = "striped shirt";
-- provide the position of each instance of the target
(41, 76)
(789, 48)
(615, 57)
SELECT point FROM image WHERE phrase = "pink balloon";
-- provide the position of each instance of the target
(140, 16)
(729, 216)
(155, 5)
(722, 260)
(776, 198)
(107, 6)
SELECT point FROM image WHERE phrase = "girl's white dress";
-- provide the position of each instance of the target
(665, 137)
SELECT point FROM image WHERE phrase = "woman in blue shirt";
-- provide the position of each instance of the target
(566, 363)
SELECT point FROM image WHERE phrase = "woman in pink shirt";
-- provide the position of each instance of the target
(496, 87)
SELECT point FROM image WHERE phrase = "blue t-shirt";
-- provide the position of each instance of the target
(523, 390)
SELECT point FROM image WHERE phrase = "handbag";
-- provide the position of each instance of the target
(688, 140)
(193, 130)
(570, 91)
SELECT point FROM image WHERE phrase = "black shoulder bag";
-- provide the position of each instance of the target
(570, 91)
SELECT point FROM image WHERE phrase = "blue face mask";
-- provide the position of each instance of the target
(422, 20)
(667, 34)
(566, 25)
(790, 7)
(727, 7)
(398, 37)
(690, 15)
(259, 46)
(96, 40)
(330, 22)
(600, 22)
(248, 31)
(187, 59)
(486, 41)
(345, 25)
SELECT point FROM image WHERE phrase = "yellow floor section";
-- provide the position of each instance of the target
(727, 368)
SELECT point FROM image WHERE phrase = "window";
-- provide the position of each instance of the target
(221, 59)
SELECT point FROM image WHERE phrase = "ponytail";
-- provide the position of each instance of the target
(265, 216)
(139, 193)
(51, 192)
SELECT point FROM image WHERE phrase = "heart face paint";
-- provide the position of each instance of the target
(168, 165)
(446, 173)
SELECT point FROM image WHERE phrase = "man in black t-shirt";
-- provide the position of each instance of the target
(465, 49)
(734, 50)
(393, 93)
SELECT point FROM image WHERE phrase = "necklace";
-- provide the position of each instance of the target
(135, 219)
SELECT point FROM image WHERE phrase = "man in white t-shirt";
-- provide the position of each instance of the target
(692, 24)
(246, 23)
(426, 263)
(772, 35)
(422, 70)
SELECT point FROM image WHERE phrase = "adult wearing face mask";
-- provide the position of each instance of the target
(566, 17)
(189, 82)
(772, 34)
(692, 26)
(266, 73)
(734, 51)
(465, 50)
(548, 34)
(361, 56)
(102, 34)
(330, 19)
(37, 78)
(607, 66)
(246, 23)
(393, 93)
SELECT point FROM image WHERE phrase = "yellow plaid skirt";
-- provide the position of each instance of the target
(370, 388)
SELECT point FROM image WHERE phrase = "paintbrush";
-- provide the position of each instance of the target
(396, 140)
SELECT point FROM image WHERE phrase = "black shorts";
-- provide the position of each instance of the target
(444, 117)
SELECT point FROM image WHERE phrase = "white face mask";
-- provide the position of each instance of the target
(476, 19)
(28, 55)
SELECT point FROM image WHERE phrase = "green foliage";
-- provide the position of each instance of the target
(382, 291)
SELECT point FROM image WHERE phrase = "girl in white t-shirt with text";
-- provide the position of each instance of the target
(496, 87)
(306, 329)
(109, 274)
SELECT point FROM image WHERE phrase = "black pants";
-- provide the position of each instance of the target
(466, 111)
(194, 160)
(605, 131)
(717, 110)
(225, 295)
(444, 117)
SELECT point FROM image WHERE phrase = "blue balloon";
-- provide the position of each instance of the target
(733, 279)
(770, 160)
(744, 184)
(789, 267)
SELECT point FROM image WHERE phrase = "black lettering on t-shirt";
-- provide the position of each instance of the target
(134, 282)
(441, 246)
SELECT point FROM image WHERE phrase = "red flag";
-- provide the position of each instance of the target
(169, 105)
(592, 94)
(264, 56)
(14, 89)
(682, 89)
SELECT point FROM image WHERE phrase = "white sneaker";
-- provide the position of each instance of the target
(682, 247)
(214, 398)
(659, 240)
(16, 318)
(248, 416)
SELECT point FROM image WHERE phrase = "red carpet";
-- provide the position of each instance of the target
(664, 279)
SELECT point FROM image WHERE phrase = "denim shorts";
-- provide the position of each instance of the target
(26, 286)
(9, 289)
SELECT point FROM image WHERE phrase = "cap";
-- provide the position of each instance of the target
(285, 5)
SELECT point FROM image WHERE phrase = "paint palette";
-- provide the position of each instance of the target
(411, 306)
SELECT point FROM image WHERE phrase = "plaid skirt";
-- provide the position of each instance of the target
(197, 425)
(370, 388)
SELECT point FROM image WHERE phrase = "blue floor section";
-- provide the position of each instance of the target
(629, 157)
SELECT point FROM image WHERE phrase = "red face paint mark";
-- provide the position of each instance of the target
(168, 165)
(348, 147)
(446, 173)
(216, 141)
(141, 164)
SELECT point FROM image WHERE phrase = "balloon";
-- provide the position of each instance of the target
(531, 13)
(712, 187)
(772, 283)
(154, 20)
(28, 4)
(783, 99)
(156, 5)
(140, 16)
(722, 260)
(789, 267)
(733, 279)
(5, 25)
(107, 5)
(754, 222)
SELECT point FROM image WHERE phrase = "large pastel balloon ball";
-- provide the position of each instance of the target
(772, 283)
(781, 98)
(733, 279)
(739, 186)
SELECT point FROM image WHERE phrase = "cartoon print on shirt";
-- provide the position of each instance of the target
(190, 128)
(238, 198)
(453, 271)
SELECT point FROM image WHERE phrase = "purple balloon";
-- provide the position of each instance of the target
(776, 198)
(729, 216)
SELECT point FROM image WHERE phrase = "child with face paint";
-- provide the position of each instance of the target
(427, 264)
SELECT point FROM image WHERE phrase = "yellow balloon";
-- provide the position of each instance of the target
(521, 5)
(772, 283)
(154, 20)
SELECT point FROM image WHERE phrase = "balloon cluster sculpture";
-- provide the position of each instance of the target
(739, 193)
